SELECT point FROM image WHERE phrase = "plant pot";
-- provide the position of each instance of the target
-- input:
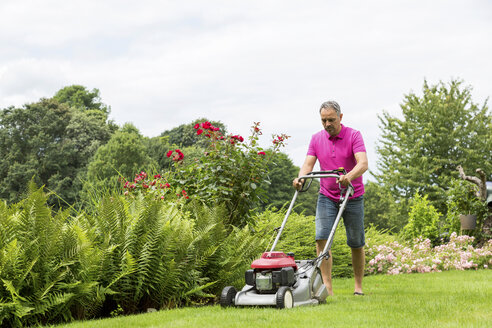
(468, 222)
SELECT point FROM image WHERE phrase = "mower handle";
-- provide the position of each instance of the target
(322, 174)
(319, 174)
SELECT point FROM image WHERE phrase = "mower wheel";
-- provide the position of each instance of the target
(227, 297)
(284, 298)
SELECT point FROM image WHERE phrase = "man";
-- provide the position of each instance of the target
(338, 146)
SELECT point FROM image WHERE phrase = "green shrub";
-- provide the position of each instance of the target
(423, 220)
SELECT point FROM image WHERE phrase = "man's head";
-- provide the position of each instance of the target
(331, 116)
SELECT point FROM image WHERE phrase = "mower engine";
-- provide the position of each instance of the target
(271, 271)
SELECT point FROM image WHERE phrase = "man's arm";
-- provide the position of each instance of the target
(357, 171)
(305, 169)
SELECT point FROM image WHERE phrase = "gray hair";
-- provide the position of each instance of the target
(331, 104)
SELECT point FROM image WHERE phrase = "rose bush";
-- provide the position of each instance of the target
(229, 172)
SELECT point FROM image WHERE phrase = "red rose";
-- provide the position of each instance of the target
(261, 153)
(200, 131)
(169, 153)
(196, 126)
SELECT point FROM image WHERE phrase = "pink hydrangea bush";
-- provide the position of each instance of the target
(458, 254)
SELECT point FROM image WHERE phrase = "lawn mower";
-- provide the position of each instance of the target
(277, 279)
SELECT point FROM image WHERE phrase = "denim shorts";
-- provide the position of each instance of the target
(353, 218)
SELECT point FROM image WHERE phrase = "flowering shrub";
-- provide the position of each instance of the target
(458, 254)
(230, 172)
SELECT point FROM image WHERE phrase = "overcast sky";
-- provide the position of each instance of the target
(159, 64)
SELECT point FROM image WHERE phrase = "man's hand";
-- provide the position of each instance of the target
(297, 183)
(344, 180)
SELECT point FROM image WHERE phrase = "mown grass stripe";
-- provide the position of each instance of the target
(446, 299)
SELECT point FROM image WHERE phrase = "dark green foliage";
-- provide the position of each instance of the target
(52, 142)
(121, 157)
(30, 140)
(439, 130)
(279, 190)
(382, 209)
(157, 148)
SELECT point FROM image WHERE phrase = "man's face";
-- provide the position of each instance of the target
(331, 121)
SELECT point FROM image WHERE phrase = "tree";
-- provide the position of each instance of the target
(279, 191)
(51, 141)
(439, 130)
(79, 97)
(122, 156)
(382, 209)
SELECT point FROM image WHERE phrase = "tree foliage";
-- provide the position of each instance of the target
(121, 157)
(77, 96)
(51, 142)
(438, 130)
(383, 209)
(279, 191)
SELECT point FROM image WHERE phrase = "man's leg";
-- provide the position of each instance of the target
(325, 266)
(354, 226)
(358, 264)
(326, 212)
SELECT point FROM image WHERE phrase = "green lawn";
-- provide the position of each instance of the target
(447, 299)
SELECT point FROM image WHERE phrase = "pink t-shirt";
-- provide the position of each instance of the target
(335, 152)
